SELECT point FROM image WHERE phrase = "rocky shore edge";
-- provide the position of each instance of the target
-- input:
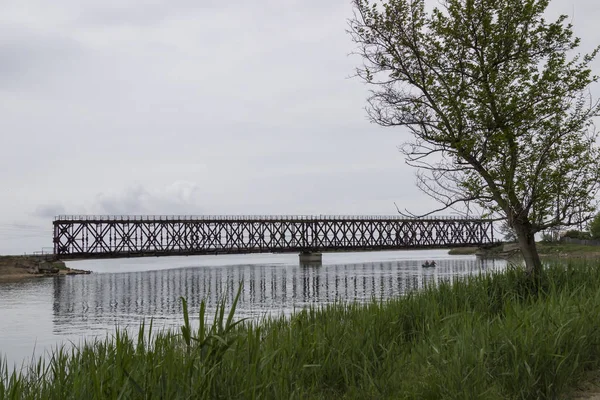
(19, 267)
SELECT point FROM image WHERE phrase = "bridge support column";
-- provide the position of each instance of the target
(311, 258)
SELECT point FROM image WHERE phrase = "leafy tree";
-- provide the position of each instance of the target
(595, 227)
(508, 232)
(500, 114)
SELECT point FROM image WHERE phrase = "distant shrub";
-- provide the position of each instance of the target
(595, 227)
(575, 234)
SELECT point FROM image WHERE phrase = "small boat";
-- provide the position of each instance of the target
(429, 264)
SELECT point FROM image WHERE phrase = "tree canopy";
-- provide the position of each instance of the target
(497, 102)
(594, 227)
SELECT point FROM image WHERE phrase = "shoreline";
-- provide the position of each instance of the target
(510, 251)
(16, 268)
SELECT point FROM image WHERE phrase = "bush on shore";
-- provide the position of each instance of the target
(487, 337)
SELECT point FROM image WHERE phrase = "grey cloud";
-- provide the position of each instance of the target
(147, 15)
(132, 13)
(193, 107)
(27, 57)
(21, 237)
(176, 198)
(22, 226)
(130, 202)
(48, 211)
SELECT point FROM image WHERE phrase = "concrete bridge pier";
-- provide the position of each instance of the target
(311, 258)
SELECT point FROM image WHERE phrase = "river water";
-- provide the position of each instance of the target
(39, 314)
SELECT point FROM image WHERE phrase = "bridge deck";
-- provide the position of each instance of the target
(138, 236)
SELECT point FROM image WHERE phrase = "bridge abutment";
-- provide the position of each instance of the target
(311, 258)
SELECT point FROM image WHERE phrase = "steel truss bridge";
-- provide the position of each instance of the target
(93, 236)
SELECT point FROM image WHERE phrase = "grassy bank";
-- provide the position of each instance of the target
(567, 249)
(485, 338)
(544, 249)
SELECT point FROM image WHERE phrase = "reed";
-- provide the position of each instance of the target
(487, 337)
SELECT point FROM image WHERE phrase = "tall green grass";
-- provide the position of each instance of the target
(486, 337)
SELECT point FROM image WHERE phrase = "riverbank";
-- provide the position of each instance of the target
(22, 267)
(548, 250)
(488, 337)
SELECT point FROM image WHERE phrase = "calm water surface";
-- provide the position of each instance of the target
(37, 315)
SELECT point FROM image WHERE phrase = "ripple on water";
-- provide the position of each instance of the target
(37, 314)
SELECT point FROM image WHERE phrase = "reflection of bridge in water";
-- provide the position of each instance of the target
(100, 301)
(137, 236)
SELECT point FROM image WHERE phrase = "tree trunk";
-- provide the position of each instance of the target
(526, 239)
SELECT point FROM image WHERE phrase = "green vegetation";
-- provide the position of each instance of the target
(59, 264)
(497, 100)
(544, 249)
(576, 234)
(461, 251)
(571, 249)
(488, 337)
(594, 227)
(496, 251)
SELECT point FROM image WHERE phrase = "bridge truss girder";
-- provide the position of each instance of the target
(136, 236)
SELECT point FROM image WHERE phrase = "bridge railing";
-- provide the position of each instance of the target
(253, 217)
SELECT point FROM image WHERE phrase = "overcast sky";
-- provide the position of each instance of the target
(193, 107)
